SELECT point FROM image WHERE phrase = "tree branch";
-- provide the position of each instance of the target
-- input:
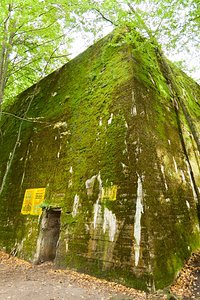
(104, 17)
(59, 56)
(33, 120)
(44, 13)
(37, 29)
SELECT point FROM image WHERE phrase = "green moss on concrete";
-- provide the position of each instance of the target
(107, 114)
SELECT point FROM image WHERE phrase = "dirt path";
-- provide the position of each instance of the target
(21, 280)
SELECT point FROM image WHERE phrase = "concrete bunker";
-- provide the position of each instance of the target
(49, 235)
(110, 119)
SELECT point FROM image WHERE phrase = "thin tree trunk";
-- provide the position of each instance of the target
(6, 48)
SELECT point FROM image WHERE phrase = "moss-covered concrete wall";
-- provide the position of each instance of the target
(111, 121)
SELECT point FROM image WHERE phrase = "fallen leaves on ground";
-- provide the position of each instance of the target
(186, 286)
(13, 261)
(85, 280)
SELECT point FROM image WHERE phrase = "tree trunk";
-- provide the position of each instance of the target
(6, 49)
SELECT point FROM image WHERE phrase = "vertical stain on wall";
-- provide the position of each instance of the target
(138, 215)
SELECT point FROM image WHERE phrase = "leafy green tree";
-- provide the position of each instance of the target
(35, 36)
(32, 39)
(174, 24)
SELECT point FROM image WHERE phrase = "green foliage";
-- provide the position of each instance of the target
(174, 24)
(32, 39)
(35, 37)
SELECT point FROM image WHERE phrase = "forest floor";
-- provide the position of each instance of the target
(22, 280)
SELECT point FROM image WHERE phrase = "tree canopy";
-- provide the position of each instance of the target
(35, 36)
(32, 42)
(174, 24)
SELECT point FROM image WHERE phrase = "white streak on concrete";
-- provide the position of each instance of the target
(175, 165)
(70, 183)
(67, 240)
(126, 147)
(184, 92)
(138, 150)
(100, 121)
(188, 204)
(125, 168)
(137, 225)
(22, 180)
(164, 178)
(97, 212)
(75, 206)
(66, 246)
(152, 79)
(89, 184)
(100, 183)
(183, 176)
(25, 163)
(111, 118)
(97, 206)
(20, 246)
(133, 109)
(191, 182)
(123, 165)
(110, 224)
(58, 154)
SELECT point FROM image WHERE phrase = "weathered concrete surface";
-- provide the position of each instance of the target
(112, 136)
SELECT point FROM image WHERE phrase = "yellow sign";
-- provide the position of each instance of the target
(32, 199)
(110, 193)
